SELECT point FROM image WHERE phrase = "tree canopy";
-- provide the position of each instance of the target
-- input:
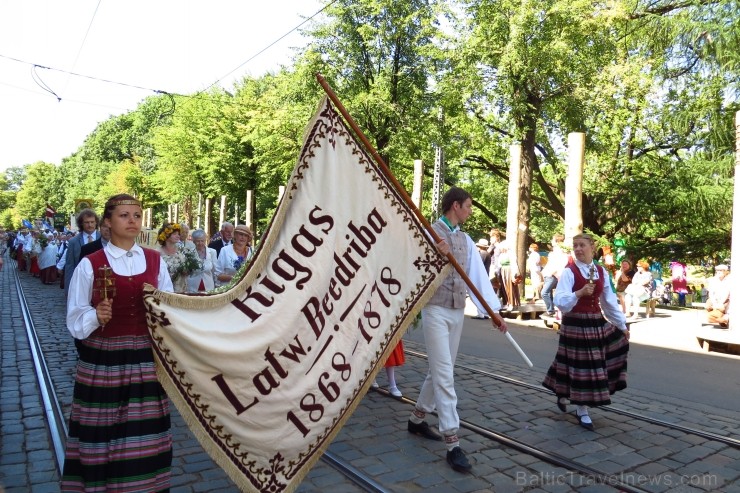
(652, 84)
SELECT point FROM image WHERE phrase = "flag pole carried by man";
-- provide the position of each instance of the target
(419, 215)
(303, 327)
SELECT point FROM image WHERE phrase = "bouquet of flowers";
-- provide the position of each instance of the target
(183, 263)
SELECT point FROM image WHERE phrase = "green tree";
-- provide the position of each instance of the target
(534, 71)
(7, 204)
(379, 55)
(35, 191)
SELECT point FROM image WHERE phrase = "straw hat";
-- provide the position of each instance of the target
(242, 228)
(482, 243)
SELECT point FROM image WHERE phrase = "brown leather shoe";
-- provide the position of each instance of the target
(424, 430)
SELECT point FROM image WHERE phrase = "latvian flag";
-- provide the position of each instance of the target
(50, 211)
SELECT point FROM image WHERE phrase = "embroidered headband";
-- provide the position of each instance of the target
(114, 203)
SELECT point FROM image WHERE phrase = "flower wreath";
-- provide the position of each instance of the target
(167, 232)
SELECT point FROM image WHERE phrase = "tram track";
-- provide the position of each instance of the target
(52, 410)
(726, 440)
(57, 424)
(608, 478)
(549, 457)
(355, 472)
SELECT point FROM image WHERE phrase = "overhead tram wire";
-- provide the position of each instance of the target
(82, 45)
(269, 46)
(89, 77)
(197, 95)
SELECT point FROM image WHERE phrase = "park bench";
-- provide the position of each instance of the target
(715, 338)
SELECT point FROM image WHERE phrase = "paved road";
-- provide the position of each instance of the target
(665, 357)
(375, 440)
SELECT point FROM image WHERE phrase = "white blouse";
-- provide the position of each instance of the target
(566, 299)
(227, 259)
(82, 320)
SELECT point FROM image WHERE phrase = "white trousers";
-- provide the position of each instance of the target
(442, 330)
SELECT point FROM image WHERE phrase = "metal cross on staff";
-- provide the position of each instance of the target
(105, 283)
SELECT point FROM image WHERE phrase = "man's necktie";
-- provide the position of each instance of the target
(89, 238)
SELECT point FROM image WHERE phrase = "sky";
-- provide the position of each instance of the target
(178, 46)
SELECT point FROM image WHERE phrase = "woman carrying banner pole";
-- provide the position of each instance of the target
(442, 323)
(119, 433)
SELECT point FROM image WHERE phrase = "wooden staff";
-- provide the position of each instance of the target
(384, 167)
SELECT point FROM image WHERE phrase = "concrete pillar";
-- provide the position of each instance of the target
(574, 186)
(512, 209)
(198, 213)
(418, 190)
(222, 213)
(735, 245)
(208, 218)
(249, 219)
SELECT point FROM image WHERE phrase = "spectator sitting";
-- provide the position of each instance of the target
(718, 302)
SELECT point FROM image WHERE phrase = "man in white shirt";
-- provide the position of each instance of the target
(442, 323)
(718, 302)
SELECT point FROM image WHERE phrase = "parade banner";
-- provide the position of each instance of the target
(81, 204)
(267, 372)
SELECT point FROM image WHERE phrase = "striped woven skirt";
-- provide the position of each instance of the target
(591, 361)
(119, 434)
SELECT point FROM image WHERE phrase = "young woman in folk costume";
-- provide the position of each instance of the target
(591, 360)
(396, 358)
(119, 434)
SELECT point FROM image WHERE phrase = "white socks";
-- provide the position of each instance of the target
(582, 412)
(391, 374)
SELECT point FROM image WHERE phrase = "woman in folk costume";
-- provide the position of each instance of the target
(396, 358)
(679, 281)
(591, 361)
(175, 256)
(48, 260)
(638, 290)
(203, 279)
(34, 249)
(119, 433)
(509, 272)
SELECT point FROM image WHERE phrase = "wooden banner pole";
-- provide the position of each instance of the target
(379, 160)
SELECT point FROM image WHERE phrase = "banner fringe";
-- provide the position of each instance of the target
(219, 299)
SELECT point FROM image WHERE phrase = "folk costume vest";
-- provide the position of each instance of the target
(129, 315)
(451, 293)
(587, 304)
